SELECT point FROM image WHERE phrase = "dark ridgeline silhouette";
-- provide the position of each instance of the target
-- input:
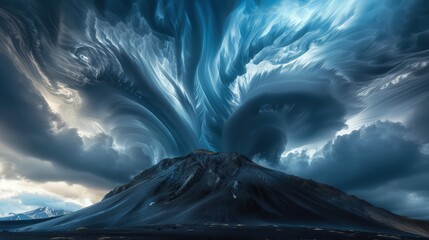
(206, 187)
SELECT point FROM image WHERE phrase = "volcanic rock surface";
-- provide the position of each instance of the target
(206, 187)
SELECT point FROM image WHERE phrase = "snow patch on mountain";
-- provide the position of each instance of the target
(38, 213)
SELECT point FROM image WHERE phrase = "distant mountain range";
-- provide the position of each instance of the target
(38, 213)
(206, 187)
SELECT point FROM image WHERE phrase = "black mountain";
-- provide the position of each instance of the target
(206, 187)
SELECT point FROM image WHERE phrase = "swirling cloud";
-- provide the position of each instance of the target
(111, 87)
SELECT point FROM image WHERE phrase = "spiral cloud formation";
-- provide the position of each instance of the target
(92, 92)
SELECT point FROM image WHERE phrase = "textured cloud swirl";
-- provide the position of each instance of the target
(117, 84)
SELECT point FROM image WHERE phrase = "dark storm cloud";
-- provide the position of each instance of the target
(259, 77)
(418, 121)
(378, 159)
(365, 158)
(167, 77)
(385, 54)
(293, 111)
(382, 57)
(382, 42)
(172, 108)
(400, 201)
(28, 126)
(104, 63)
(17, 166)
(407, 196)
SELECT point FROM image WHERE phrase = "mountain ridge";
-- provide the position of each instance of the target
(38, 213)
(208, 187)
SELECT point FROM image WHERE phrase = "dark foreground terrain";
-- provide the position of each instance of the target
(200, 232)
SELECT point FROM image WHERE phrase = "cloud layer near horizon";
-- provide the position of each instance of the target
(379, 160)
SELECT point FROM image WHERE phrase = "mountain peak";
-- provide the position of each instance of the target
(209, 187)
(195, 163)
(38, 213)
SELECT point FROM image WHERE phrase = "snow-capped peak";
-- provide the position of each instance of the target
(38, 213)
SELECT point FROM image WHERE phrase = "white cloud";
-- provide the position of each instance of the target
(18, 195)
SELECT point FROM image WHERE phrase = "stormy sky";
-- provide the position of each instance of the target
(92, 92)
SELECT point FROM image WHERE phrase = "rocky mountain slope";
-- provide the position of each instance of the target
(206, 187)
